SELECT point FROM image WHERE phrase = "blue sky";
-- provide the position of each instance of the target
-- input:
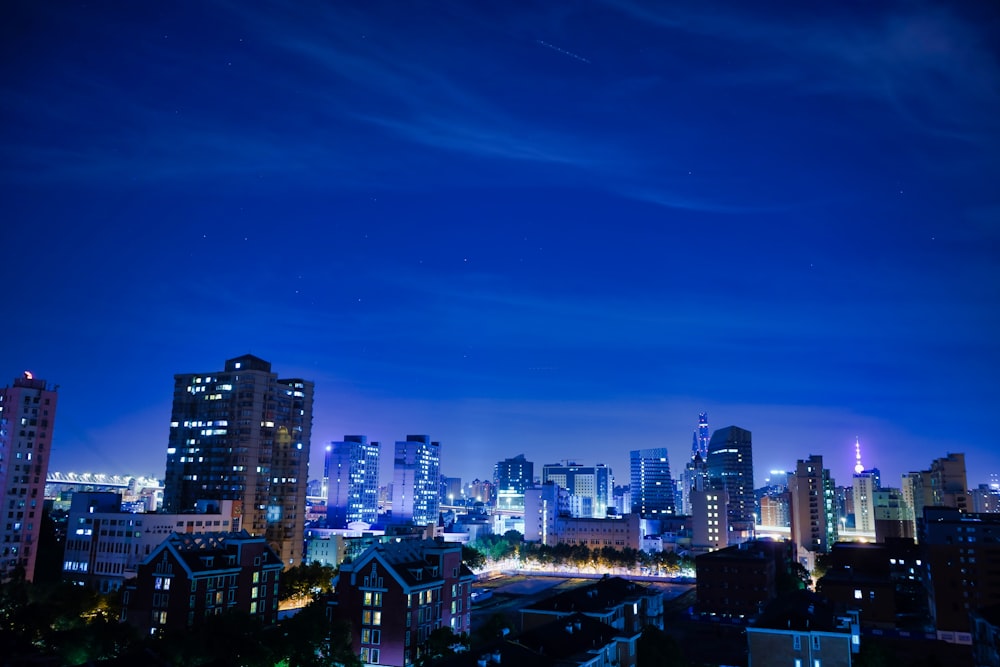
(560, 229)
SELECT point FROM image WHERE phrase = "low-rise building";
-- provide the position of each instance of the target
(190, 577)
(105, 544)
(740, 580)
(396, 593)
(801, 629)
(624, 605)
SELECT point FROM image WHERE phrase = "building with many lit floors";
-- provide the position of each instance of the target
(651, 487)
(27, 419)
(353, 465)
(416, 474)
(243, 434)
(105, 543)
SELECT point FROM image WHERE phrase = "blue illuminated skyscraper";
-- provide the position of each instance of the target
(651, 486)
(730, 467)
(416, 473)
(353, 481)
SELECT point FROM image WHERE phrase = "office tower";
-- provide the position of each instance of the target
(589, 486)
(652, 487)
(416, 469)
(512, 477)
(730, 467)
(948, 482)
(353, 494)
(243, 434)
(27, 419)
(812, 512)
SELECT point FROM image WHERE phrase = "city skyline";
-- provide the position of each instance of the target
(553, 229)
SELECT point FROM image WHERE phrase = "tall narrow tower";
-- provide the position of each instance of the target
(27, 418)
(730, 467)
(866, 483)
(243, 434)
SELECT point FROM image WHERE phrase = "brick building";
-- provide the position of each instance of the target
(396, 593)
(193, 576)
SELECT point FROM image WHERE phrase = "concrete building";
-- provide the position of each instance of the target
(511, 477)
(812, 512)
(740, 580)
(190, 578)
(617, 533)
(27, 420)
(416, 469)
(949, 487)
(963, 550)
(888, 583)
(775, 510)
(651, 487)
(543, 505)
(395, 594)
(709, 519)
(243, 434)
(865, 486)
(803, 630)
(893, 517)
(353, 465)
(592, 485)
(105, 543)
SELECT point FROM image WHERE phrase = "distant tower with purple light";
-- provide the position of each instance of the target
(866, 483)
(699, 447)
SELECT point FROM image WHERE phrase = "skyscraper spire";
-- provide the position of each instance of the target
(699, 444)
(858, 468)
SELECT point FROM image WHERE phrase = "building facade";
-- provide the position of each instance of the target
(416, 469)
(243, 434)
(730, 467)
(591, 485)
(105, 543)
(27, 419)
(396, 593)
(651, 487)
(812, 512)
(190, 578)
(511, 477)
(353, 481)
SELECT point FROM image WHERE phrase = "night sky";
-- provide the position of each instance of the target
(560, 229)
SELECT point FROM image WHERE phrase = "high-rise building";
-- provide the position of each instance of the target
(416, 472)
(812, 512)
(589, 486)
(651, 486)
(699, 446)
(243, 434)
(695, 468)
(353, 481)
(866, 483)
(948, 482)
(27, 419)
(512, 477)
(730, 467)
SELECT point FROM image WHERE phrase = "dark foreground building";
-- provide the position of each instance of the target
(191, 577)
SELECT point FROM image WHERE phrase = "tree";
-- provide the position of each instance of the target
(657, 649)
(306, 581)
(473, 558)
(441, 643)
